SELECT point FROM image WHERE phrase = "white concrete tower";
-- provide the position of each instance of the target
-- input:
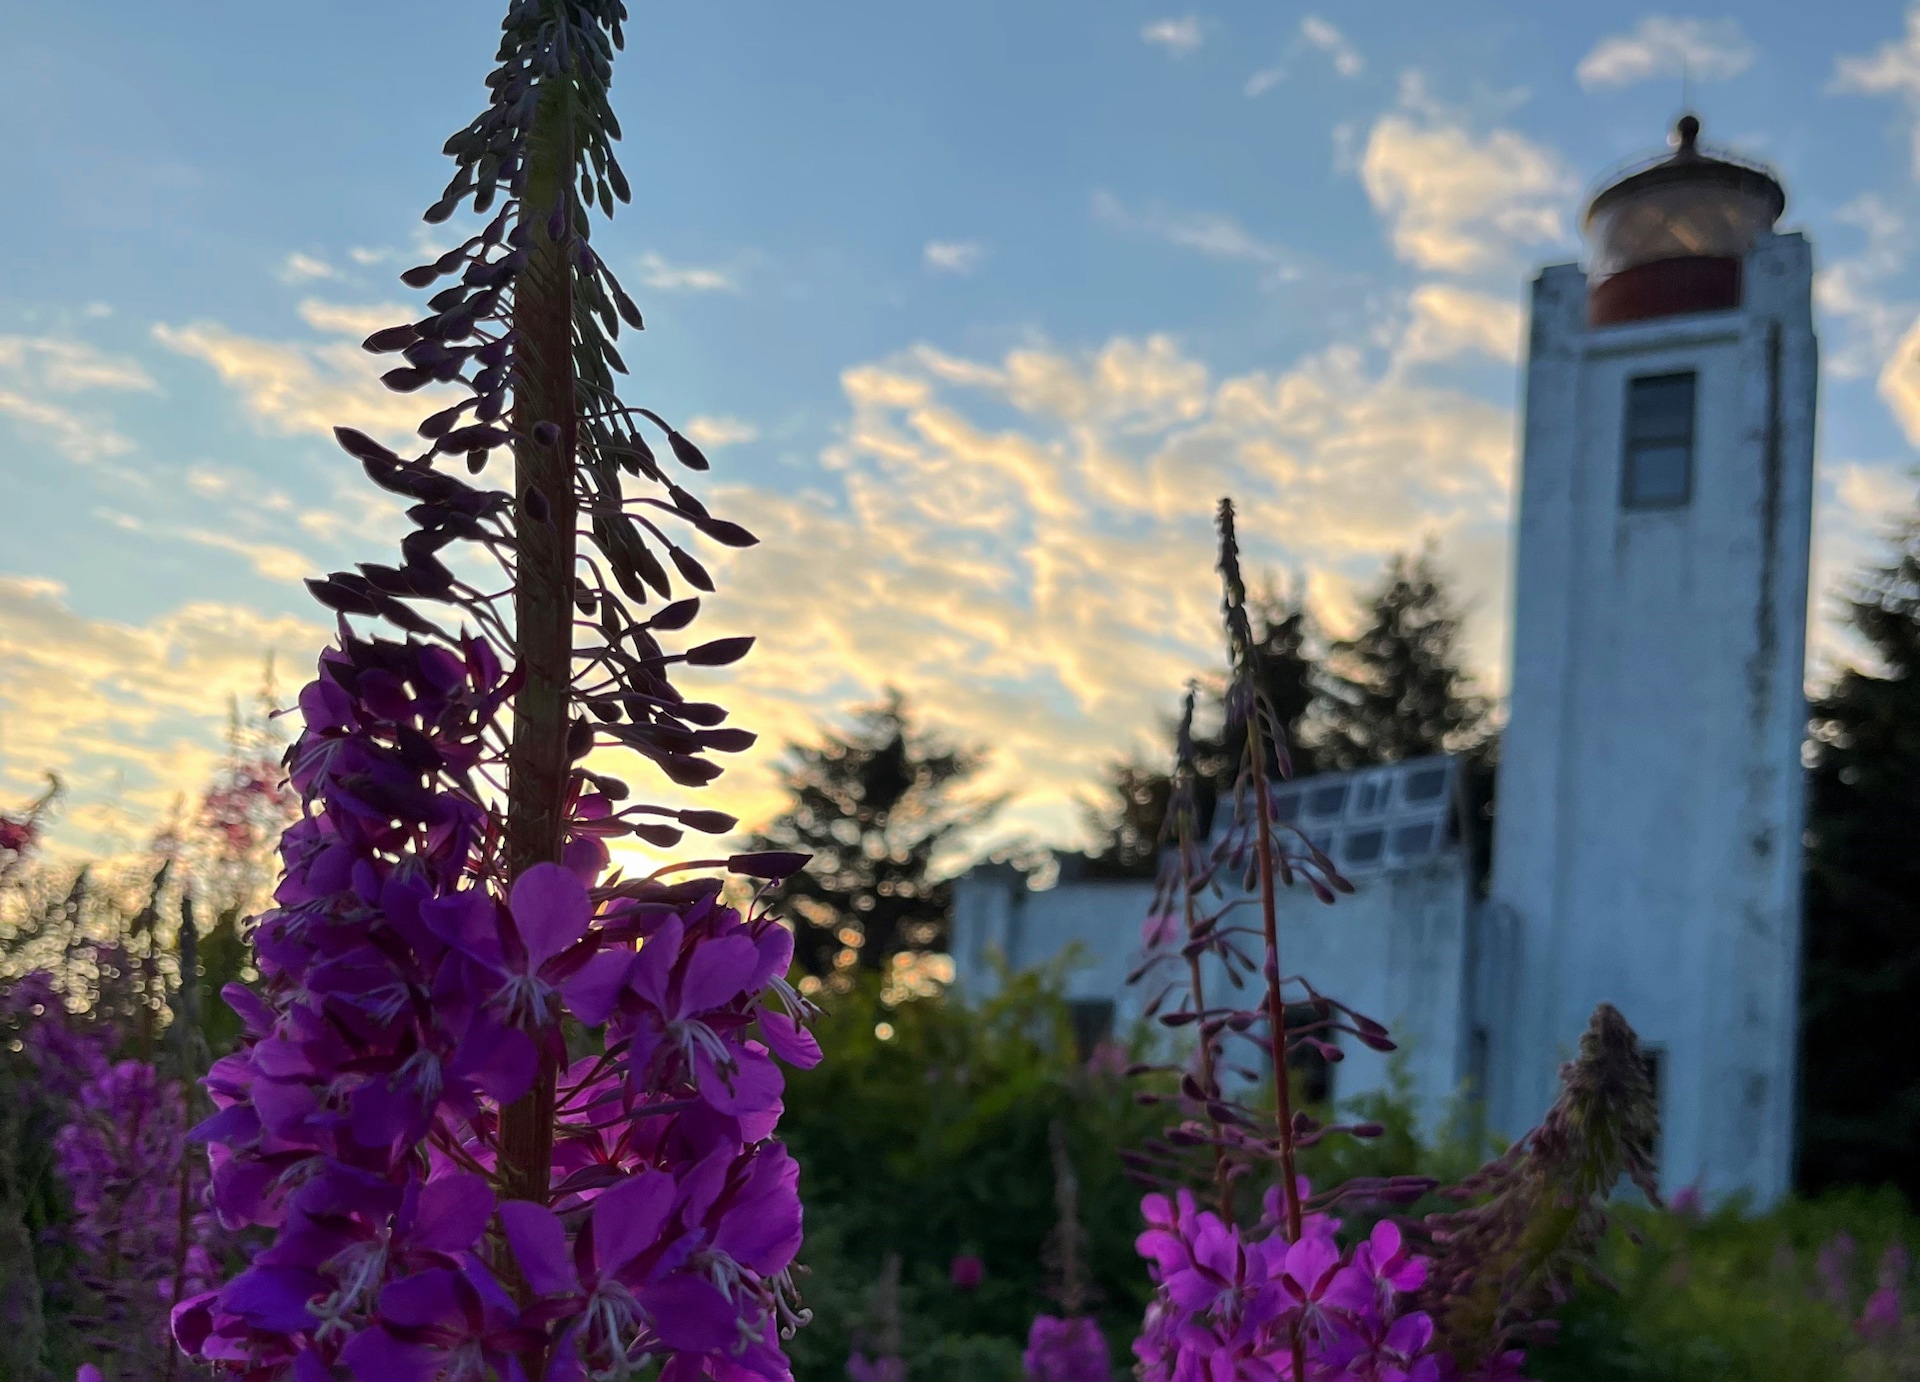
(1648, 842)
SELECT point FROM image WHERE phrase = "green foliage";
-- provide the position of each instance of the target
(933, 1143)
(1732, 1298)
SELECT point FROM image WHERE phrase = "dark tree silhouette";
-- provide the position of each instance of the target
(1860, 1066)
(1396, 689)
(874, 805)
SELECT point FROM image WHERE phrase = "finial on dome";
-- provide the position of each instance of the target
(1687, 128)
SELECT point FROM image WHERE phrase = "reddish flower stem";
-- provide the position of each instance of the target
(538, 762)
(1276, 1008)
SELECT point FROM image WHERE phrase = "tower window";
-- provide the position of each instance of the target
(1659, 451)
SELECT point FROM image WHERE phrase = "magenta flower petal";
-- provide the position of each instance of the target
(1310, 1263)
(585, 857)
(692, 1314)
(502, 1061)
(593, 990)
(761, 1229)
(422, 1299)
(551, 909)
(716, 974)
(274, 1298)
(376, 1356)
(539, 1244)
(652, 975)
(788, 1040)
(452, 1213)
(627, 1218)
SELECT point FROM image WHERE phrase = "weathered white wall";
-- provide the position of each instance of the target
(1397, 950)
(1650, 803)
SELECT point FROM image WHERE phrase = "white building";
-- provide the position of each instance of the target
(1647, 847)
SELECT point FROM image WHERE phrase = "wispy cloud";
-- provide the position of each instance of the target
(714, 432)
(305, 268)
(1179, 37)
(1707, 50)
(1865, 315)
(953, 256)
(35, 371)
(657, 272)
(1457, 202)
(1329, 40)
(129, 714)
(1204, 232)
(1315, 34)
(293, 387)
(1892, 69)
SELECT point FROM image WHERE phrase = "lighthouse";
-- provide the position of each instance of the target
(1647, 846)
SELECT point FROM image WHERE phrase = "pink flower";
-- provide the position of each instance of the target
(966, 1272)
(1070, 1350)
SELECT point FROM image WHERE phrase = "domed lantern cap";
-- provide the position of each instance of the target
(1686, 205)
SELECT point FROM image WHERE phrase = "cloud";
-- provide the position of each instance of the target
(1853, 291)
(1178, 36)
(1892, 69)
(129, 715)
(1708, 50)
(1899, 382)
(713, 432)
(1205, 232)
(1448, 322)
(292, 387)
(656, 272)
(1457, 203)
(34, 367)
(1024, 544)
(953, 256)
(305, 268)
(337, 319)
(1265, 80)
(1329, 40)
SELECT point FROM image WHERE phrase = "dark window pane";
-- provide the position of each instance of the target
(1657, 476)
(1661, 408)
(1369, 798)
(1657, 469)
(1286, 806)
(1425, 785)
(1411, 840)
(1363, 846)
(1325, 801)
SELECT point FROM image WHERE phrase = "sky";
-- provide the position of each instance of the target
(978, 308)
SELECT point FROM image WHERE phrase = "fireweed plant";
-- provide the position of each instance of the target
(1255, 1290)
(507, 1114)
(1067, 1347)
(1258, 1284)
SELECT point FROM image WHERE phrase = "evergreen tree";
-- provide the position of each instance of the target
(1396, 690)
(1860, 1064)
(1127, 824)
(874, 806)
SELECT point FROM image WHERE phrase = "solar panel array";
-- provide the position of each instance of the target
(1372, 819)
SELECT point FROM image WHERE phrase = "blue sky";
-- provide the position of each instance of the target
(979, 308)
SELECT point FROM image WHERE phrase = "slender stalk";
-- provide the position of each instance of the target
(1276, 1009)
(1222, 1180)
(537, 763)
